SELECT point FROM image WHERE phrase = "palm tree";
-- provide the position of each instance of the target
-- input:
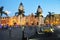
(16, 13)
(2, 12)
(37, 14)
(1, 8)
(49, 17)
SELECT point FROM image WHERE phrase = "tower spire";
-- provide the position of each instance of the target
(39, 10)
(40, 16)
(21, 9)
(21, 3)
(39, 6)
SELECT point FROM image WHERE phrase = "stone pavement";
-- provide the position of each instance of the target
(16, 34)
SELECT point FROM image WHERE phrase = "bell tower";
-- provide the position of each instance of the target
(39, 11)
(20, 13)
(21, 9)
(40, 16)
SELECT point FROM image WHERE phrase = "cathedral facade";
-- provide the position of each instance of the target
(21, 19)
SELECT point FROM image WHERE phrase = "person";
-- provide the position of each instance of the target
(0, 27)
(10, 31)
(25, 35)
(16, 26)
(6, 26)
(29, 31)
(33, 31)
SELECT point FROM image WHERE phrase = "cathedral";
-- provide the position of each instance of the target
(20, 19)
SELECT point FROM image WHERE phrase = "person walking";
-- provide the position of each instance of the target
(10, 28)
(0, 27)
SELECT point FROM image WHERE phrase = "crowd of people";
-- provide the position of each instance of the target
(3, 26)
(27, 31)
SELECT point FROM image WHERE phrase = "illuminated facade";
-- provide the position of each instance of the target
(40, 16)
(54, 19)
(4, 20)
(38, 19)
(21, 19)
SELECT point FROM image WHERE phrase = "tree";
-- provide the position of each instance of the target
(51, 17)
(2, 12)
(1, 9)
(16, 13)
(37, 14)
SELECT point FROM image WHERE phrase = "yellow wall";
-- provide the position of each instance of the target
(53, 21)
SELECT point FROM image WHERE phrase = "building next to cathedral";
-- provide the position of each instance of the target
(53, 19)
(21, 19)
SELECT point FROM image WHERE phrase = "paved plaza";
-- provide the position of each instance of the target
(17, 34)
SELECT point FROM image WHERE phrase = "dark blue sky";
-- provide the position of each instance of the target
(30, 6)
